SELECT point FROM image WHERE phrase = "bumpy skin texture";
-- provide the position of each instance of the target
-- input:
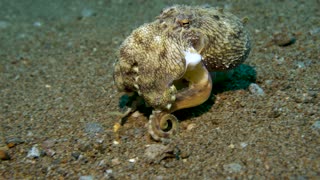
(217, 35)
(149, 62)
(152, 58)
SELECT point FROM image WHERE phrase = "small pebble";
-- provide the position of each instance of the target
(243, 144)
(99, 141)
(136, 114)
(109, 171)
(169, 164)
(47, 86)
(87, 13)
(232, 168)
(154, 151)
(256, 89)
(3, 24)
(11, 145)
(93, 128)
(102, 163)
(268, 82)
(301, 65)
(279, 60)
(283, 39)
(37, 24)
(132, 160)
(115, 142)
(48, 143)
(30, 133)
(115, 162)
(75, 155)
(49, 152)
(316, 125)
(34, 152)
(86, 178)
(4, 155)
(108, 174)
(191, 126)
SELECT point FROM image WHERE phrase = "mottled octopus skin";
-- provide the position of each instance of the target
(218, 36)
(152, 58)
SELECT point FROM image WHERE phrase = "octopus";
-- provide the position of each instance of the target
(167, 62)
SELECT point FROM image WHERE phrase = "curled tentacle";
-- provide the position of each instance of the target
(162, 125)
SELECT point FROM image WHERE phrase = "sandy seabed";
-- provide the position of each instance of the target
(58, 102)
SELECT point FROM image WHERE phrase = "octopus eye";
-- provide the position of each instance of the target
(184, 22)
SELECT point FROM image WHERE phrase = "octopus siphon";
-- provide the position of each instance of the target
(167, 62)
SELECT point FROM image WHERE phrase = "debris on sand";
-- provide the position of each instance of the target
(155, 153)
